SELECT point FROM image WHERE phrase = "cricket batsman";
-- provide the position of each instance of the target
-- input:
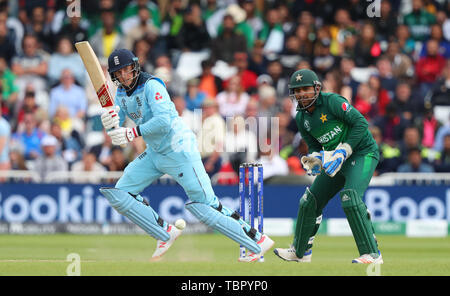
(171, 148)
(343, 156)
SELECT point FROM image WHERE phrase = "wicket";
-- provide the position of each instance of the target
(250, 168)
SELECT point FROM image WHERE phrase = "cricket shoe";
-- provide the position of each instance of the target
(290, 255)
(265, 244)
(162, 246)
(369, 259)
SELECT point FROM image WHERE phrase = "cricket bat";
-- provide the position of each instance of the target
(96, 74)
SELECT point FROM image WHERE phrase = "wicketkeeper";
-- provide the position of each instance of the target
(343, 156)
(171, 149)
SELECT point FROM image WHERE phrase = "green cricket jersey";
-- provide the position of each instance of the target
(335, 121)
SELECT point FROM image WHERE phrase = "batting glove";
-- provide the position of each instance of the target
(334, 163)
(312, 163)
(110, 117)
(123, 135)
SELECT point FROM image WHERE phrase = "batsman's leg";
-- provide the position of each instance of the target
(125, 198)
(190, 173)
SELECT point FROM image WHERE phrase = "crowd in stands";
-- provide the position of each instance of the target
(391, 61)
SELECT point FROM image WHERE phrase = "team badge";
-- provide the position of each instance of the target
(298, 77)
(307, 126)
(323, 118)
(345, 107)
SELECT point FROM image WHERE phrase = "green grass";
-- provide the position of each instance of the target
(211, 254)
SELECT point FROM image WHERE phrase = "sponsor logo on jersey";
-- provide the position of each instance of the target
(345, 106)
(158, 96)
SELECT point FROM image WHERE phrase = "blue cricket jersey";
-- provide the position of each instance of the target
(149, 106)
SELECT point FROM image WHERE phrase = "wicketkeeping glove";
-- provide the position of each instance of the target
(334, 163)
(123, 135)
(312, 163)
(110, 117)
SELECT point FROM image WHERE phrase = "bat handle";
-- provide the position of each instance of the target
(122, 145)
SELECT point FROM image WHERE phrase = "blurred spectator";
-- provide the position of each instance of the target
(323, 61)
(346, 66)
(7, 47)
(392, 125)
(267, 101)
(65, 58)
(8, 89)
(387, 22)
(30, 137)
(103, 151)
(279, 81)
(28, 105)
(365, 100)
(194, 97)
(367, 48)
(89, 165)
(50, 161)
(143, 51)
(440, 92)
(290, 56)
(69, 146)
(248, 77)
(242, 27)
(383, 98)
(211, 138)
(406, 43)
(69, 95)
(441, 133)
(272, 32)
(177, 85)
(107, 38)
(233, 100)
(15, 27)
(17, 160)
(405, 104)
(444, 45)
(419, 21)
(241, 145)
(40, 26)
(133, 13)
(272, 163)
(401, 64)
(387, 79)
(342, 25)
(172, 22)
(443, 163)
(5, 133)
(254, 17)
(144, 28)
(209, 83)
(257, 62)
(412, 139)
(193, 36)
(389, 155)
(118, 160)
(74, 30)
(226, 44)
(185, 114)
(428, 126)
(429, 67)
(31, 66)
(414, 163)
